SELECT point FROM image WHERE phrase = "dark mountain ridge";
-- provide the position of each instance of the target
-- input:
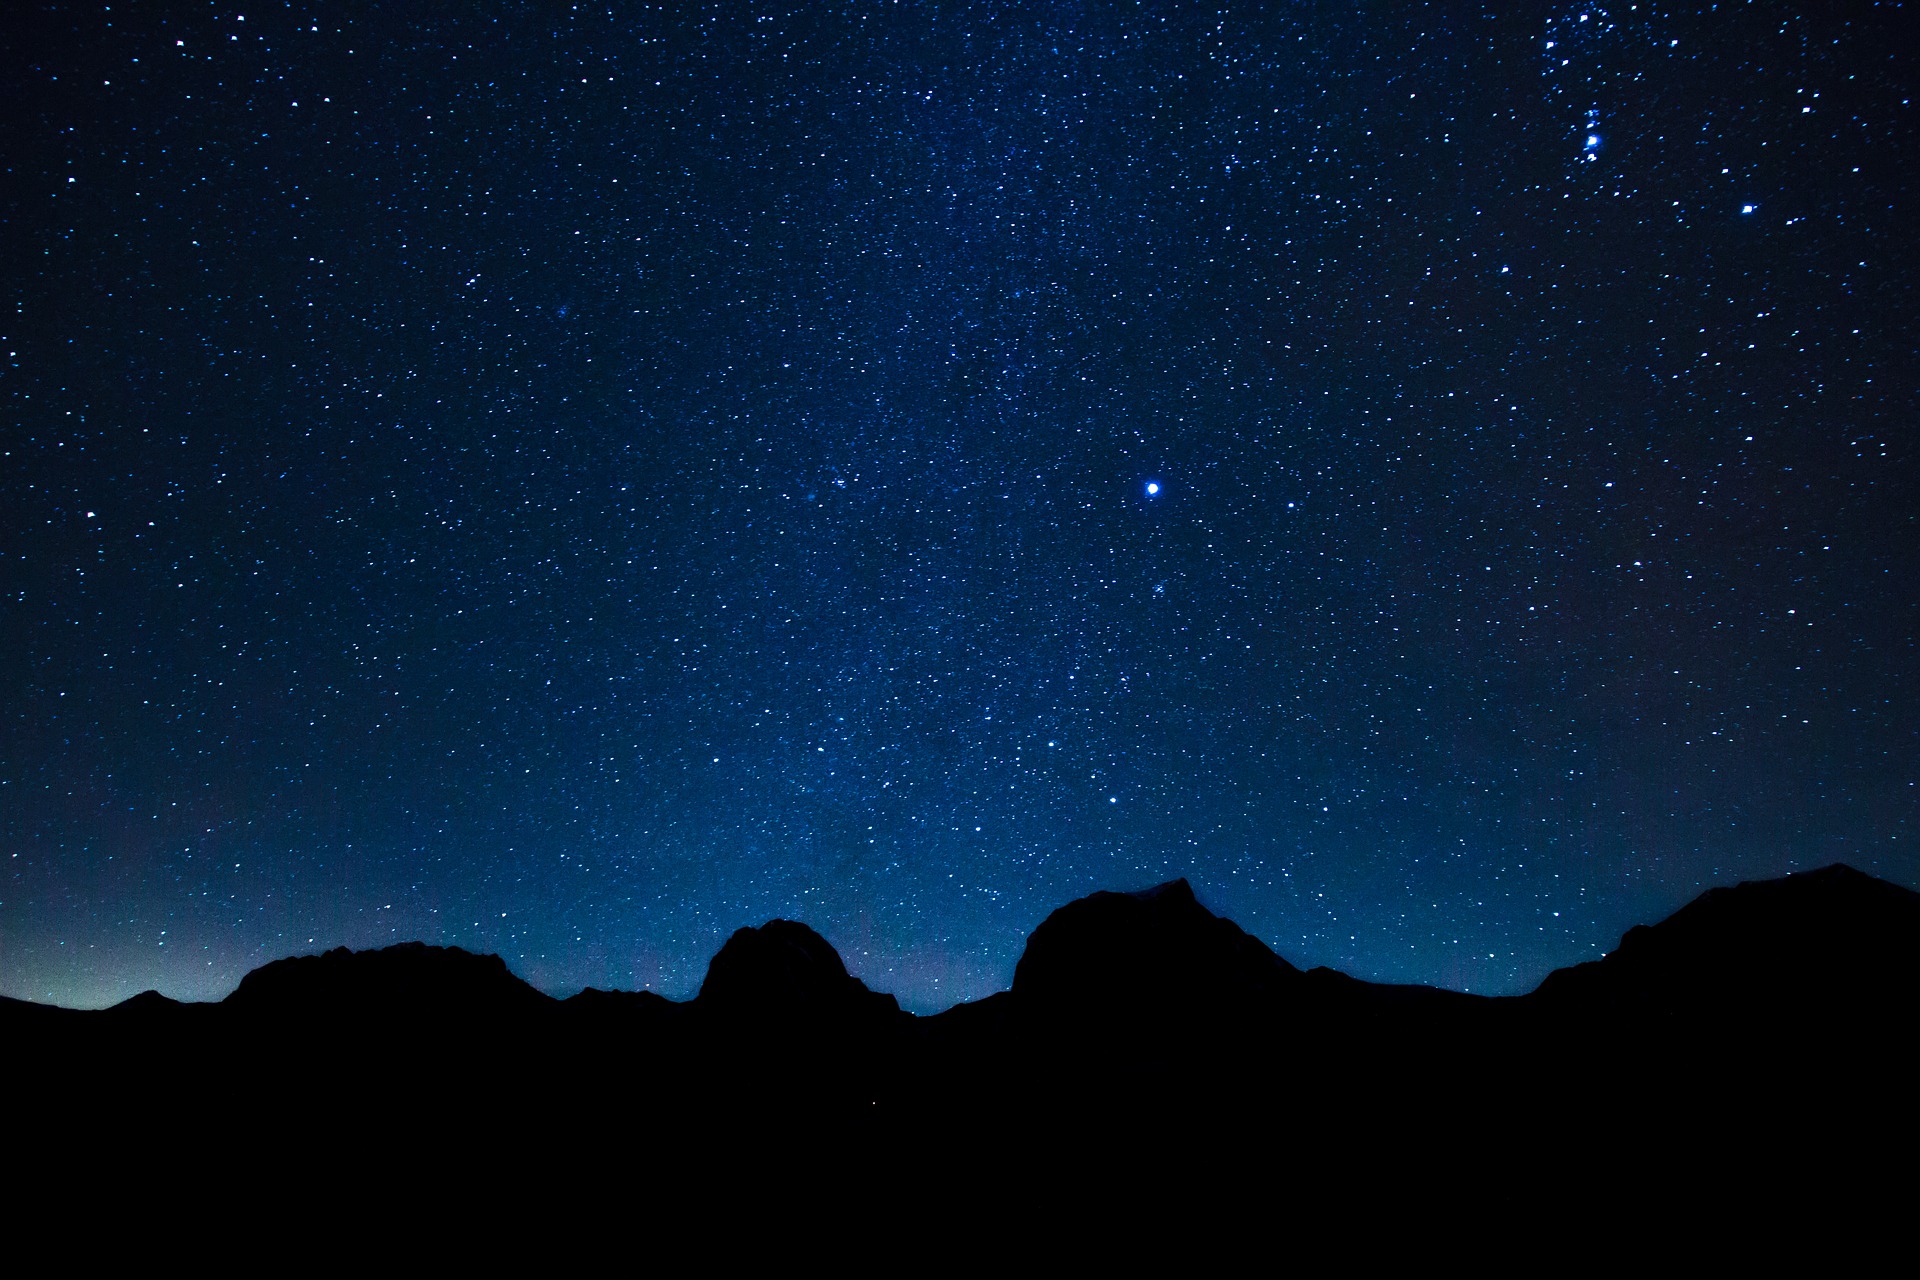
(1123, 1004)
(1160, 945)
(1802, 939)
(409, 979)
(1796, 942)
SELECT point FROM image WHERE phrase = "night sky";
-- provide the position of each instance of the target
(571, 481)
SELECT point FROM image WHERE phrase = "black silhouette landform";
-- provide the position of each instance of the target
(1770, 1022)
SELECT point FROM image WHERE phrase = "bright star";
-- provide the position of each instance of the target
(1153, 488)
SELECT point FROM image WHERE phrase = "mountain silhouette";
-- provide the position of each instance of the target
(1761, 1024)
(411, 980)
(1157, 947)
(1807, 945)
(785, 971)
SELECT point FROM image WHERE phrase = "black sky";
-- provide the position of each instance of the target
(571, 481)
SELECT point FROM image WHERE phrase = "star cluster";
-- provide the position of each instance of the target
(573, 480)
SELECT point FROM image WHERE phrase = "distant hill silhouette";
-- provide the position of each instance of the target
(785, 972)
(1113, 950)
(1767, 1020)
(411, 982)
(1806, 946)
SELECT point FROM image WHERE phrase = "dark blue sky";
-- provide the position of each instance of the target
(571, 481)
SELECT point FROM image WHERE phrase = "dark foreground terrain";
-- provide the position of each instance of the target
(1754, 1049)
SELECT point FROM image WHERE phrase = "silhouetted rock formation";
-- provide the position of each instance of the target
(1158, 947)
(148, 1004)
(410, 981)
(786, 972)
(1120, 994)
(1804, 946)
(1792, 1000)
(595, 1003)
